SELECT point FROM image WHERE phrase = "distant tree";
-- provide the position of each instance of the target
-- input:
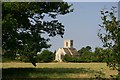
(98, 50)
(99, 54)
(81, 50)
(45, 56)
(86, 54)
(110, 36)
(85, 50)
(67, 58)
(89, 48)
(24, 25)
(102, 55)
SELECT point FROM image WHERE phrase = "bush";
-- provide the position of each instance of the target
(45, 56)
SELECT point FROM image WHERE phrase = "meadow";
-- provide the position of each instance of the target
(15, 70)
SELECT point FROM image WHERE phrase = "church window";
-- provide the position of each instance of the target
(66, 43)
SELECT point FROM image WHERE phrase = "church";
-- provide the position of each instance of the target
(67, 49)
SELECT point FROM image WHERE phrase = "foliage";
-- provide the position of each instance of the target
(86, 55)
(85, 50)
(45, 56)
(24, 25)
(68, 58)
(101, 54)
(111, 36)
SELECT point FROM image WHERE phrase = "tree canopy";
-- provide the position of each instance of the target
(110, 36)
(24, 25)
(86, 49)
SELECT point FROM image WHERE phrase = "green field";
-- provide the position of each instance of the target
(56, 70)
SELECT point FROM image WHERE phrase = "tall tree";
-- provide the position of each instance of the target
(25, 24)
(86, 49)
(110, 36)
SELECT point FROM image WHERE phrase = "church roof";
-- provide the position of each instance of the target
(71, 51)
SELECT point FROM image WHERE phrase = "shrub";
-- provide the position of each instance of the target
(45, 56)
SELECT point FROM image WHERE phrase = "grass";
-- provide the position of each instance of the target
(56, 70)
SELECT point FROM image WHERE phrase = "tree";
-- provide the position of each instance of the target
(110, 36)
(86, 49)
(24, 25)
(45, 56)
(89, 48)
(102, 55)
(86, 54)
(99, 54)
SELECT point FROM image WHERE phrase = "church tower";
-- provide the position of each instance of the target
(68, 43)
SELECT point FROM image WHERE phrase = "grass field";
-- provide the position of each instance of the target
(56, 70)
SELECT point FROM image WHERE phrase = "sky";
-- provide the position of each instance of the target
(82, 25)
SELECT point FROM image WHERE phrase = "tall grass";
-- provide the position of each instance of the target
(56, 70)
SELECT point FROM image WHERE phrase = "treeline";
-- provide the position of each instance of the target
(86, 55)
(44, 56)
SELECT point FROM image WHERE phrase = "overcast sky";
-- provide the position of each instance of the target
(81, 26)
